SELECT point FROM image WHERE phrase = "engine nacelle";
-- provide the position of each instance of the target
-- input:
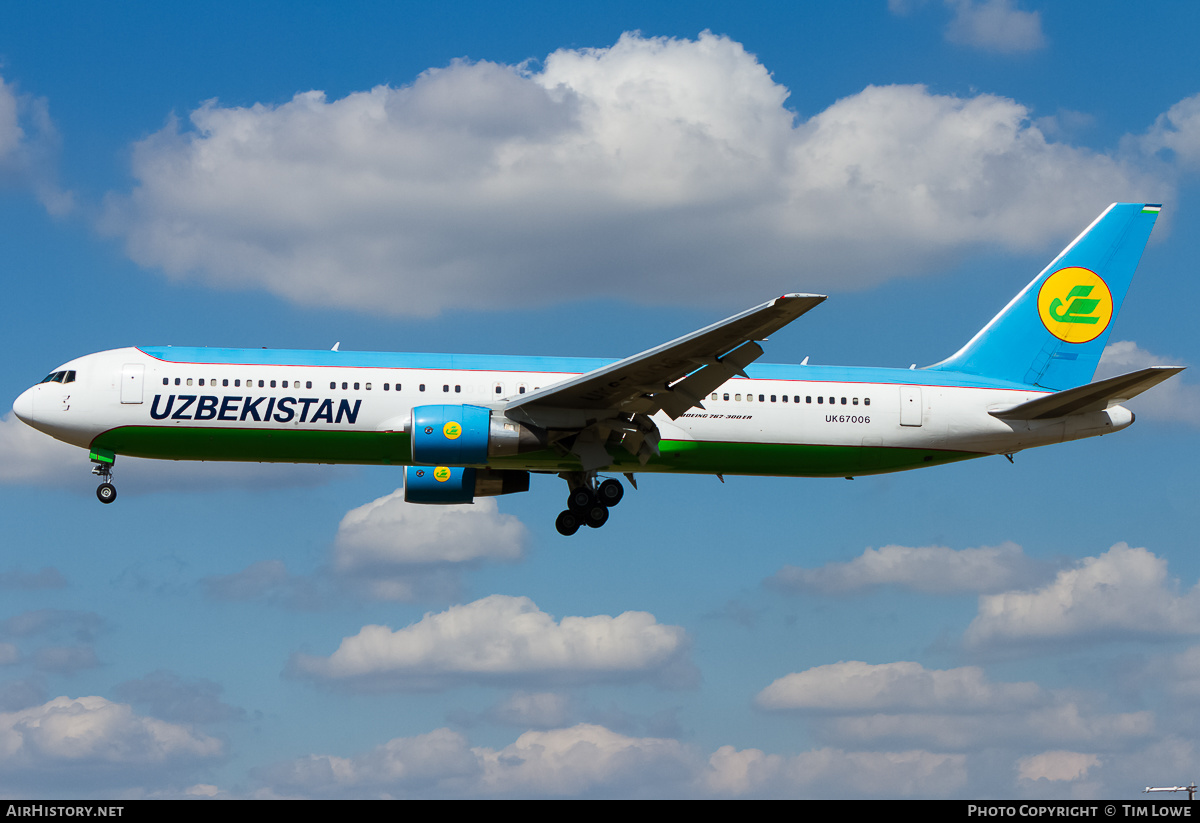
(444, 485)
(465, 435)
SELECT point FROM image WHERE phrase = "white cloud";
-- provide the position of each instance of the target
(29, 146)
(650, 169)
(589, 760)
(1122, 593)
(1177, 130)
(994, 25)
(927, 569)
(502, 639)
(854, 686)
(834, 773)
(1176, 400)
(388, 533)
(1056, 765)
(92, 731)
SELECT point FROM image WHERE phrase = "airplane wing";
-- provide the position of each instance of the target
(1096, 396)
(675, 376)
(618, 399)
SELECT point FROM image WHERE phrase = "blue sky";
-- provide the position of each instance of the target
(594, 180)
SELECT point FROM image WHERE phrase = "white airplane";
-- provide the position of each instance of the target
(465, 426)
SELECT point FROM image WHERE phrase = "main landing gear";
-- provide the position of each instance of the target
(106, 492)
(587, 502)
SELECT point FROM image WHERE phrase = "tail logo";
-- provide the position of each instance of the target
(1075, 305)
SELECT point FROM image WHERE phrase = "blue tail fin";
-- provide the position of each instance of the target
(1053, 333)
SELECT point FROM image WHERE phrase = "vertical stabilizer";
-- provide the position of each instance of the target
(1053, 333)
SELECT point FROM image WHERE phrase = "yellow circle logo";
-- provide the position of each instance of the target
(441, 474)
(1075, 305)
(452, 430)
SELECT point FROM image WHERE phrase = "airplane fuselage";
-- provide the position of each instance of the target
(265, 405)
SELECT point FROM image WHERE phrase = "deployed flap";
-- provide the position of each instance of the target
(1096, 396)
(675, 376)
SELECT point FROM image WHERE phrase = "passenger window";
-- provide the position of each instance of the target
(345, 385)
(308, 384)
(260, 384)
(422, 387)
(176, 381)
(866, 401)
(189, 381)
(843, 401)
(272, 384)
(356, 387)
(224, 382)
(368, 387)
(726, 395)
(761, 398)
(854, 402)
(737, 397)
(458, 389)
(164, 381)
(201, 381)
(820, 400)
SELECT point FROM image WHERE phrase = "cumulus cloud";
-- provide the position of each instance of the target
(1177, 131)
(1176, 400)
(834, 773)
(994, 25)
(935, 569)
(93, 736)
(1056, 765)
(583, 760)
(854, 686)
(1124, 592)
(388, 534)
(29, 146)
(502, 639)
(650, 169)
(589, 760)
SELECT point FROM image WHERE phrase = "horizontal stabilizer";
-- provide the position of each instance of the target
(1096, 396)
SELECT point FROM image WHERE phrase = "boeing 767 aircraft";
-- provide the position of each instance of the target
(465, 426)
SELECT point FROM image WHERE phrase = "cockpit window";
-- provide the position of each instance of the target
(60, 377)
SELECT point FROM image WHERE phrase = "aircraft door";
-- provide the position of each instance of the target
(910, 406)
(131, 382)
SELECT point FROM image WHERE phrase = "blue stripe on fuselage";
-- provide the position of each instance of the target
(568, 365)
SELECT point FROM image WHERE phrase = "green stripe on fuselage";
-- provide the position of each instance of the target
(392, 448)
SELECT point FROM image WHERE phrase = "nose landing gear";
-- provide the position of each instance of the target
(587, 503)
(106, 492)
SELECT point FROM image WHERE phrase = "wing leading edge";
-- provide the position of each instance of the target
(675, 376)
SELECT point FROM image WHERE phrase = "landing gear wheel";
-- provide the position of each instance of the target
(567, 523)
(597, 515)
(106, 492)
(580, 500)
(610, 492)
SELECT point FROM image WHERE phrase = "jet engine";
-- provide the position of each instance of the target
(455, 484)
(464, 435)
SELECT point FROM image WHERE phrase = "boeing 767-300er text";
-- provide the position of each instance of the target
(465, 426)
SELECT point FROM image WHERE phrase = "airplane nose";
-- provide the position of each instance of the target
(23, 405)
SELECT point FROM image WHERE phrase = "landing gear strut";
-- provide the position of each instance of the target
(587, 502)
(106, 492)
